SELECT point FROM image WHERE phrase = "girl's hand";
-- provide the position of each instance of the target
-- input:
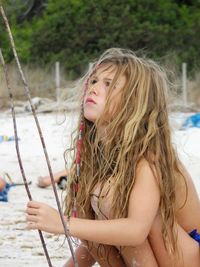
(42, 217)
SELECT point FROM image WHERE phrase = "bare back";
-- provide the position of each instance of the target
(188, 203)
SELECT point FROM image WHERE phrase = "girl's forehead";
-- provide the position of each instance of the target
(105, 69)
(108, 71)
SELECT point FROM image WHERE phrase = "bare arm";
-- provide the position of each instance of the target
(130, 231)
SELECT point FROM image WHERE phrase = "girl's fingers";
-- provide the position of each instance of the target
(31, 218)
(34, 204)
(32, 211)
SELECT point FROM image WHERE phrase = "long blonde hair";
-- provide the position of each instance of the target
(138, 130)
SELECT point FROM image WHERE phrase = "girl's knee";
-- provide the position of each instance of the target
(139, 256)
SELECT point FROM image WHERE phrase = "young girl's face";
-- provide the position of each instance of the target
(97, 90)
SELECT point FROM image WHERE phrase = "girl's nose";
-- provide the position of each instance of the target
(93, 90)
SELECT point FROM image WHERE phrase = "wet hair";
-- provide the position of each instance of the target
(138, 130)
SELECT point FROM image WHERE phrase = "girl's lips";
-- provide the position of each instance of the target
(90, 100)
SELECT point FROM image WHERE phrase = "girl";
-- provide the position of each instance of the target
(136, 204)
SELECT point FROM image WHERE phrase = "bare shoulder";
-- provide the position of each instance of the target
(144, 168)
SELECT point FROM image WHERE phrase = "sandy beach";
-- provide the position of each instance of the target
(20, 247)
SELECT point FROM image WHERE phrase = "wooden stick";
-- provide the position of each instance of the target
(26, 88)
(18, 151)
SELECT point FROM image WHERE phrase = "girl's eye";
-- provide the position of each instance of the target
(107, 84)
(93, 81)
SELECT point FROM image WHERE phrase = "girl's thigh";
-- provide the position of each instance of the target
(139, 256)
(189, 252)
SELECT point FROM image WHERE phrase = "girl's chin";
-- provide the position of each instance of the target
(90, 118)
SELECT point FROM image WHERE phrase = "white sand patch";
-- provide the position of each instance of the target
(18, 246)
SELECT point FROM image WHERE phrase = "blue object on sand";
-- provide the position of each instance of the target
(6, 138)
(192, 121)
(4, 192)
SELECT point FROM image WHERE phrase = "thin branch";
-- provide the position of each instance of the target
(18, 150)
(26, 88)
